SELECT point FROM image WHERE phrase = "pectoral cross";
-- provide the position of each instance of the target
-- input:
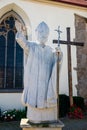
(69, 43)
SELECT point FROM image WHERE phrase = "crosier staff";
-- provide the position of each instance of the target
(59, 55)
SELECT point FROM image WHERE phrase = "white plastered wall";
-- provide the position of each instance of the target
(33, 13)
(10, 101)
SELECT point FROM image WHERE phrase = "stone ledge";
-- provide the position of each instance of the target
(53, 126)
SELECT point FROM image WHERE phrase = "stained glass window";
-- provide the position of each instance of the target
(11, 56)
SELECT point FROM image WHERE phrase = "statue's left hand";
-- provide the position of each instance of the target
(59, 54)
(58, 50)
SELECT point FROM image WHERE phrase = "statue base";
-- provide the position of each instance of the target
(53, 125)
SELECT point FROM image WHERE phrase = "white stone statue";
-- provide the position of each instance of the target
(39, 94)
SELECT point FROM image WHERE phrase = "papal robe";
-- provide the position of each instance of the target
(39, 92)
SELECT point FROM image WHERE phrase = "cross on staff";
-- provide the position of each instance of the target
(59, 32)
(69, 43)
(58, 67)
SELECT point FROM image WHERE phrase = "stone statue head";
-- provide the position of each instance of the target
(42, 32)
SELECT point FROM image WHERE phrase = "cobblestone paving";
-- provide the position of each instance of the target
(73, 124)
(70, 124)
(10, 126)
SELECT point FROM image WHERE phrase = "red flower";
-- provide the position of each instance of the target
(75, 112)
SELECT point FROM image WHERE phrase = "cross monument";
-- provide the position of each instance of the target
(68, 43)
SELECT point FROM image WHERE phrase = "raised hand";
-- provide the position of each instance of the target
(18, 26)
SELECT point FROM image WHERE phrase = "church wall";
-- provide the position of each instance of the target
(10, 101)
(81, 55)
(54, 15)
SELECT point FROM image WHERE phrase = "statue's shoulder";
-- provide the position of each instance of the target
(48, 47)
(32, 44)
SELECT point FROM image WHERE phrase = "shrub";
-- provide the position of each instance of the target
(75, 112)
(79, 101)
(63, 105)
(12, 115)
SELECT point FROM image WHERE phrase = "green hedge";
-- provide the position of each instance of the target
(64, 104)
(79, 101)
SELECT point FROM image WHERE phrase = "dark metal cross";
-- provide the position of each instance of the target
(69, 43)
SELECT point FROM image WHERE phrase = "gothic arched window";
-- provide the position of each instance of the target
(11, 57)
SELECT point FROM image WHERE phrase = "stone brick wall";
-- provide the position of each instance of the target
(81, 36)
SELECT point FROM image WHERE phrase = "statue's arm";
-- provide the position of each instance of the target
(21, 40)
(20, 37)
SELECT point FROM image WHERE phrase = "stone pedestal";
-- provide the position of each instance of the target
(53, 126)
(43, 114)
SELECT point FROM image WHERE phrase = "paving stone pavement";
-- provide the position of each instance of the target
(10, 126)
(70, 124)
(74, 124)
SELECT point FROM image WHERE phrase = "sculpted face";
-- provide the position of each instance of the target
(42, 32)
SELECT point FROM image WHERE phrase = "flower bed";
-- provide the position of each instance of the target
(12, 115)
(75, 112)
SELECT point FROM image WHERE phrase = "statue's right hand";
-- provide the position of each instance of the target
(18, 26)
